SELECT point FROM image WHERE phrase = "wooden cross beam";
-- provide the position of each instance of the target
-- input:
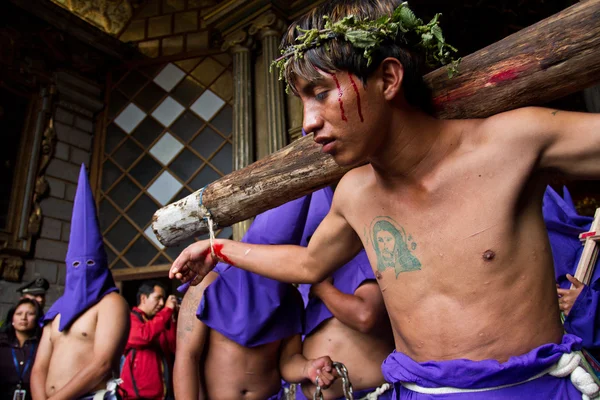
(587, 262)
(551, 59)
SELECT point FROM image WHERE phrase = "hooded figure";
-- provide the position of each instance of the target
(88, 278)
(564, 226)
(346, 279)
(249, 309)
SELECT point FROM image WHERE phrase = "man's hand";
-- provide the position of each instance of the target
(316, 289)
(567, 297)
(171, 302)
(322, 368)
(193, 263)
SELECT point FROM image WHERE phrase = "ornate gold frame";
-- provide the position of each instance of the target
(37, 145)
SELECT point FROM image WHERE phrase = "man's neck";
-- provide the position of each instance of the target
(141, 308)
(415, 144)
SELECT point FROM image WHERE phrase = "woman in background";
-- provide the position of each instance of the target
(18, 344)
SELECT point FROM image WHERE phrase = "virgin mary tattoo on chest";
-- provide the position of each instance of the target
(393, 247)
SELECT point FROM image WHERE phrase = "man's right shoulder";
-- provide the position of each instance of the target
(353, 183)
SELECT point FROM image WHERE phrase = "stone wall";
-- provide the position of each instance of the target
(76, 108)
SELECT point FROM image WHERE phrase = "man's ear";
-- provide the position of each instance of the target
(392, 74)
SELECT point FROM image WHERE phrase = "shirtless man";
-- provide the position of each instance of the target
(86, 329)
(471, 288)
(345, 318)
(236, 342)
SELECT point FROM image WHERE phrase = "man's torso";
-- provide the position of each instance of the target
(361, 353)
(72, 350)
(467, 271)
(232, 371)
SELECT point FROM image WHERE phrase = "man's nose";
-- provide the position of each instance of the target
(312, 121)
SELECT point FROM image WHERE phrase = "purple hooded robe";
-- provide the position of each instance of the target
(88, 278)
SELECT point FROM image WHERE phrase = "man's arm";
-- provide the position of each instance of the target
(191, 338)
(168, 340)
(567, 142)
(144, 333)
(360, 311)
(39, 372)
(296, 368)
(333, 245)
(110, 337)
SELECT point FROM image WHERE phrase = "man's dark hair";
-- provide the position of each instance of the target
(339, 55)
(147, 288)
(9, 329)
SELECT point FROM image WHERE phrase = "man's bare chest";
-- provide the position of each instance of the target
(81, 332)
(458, 224)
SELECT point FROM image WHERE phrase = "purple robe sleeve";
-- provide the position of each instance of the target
(584, 319)
(564, 226)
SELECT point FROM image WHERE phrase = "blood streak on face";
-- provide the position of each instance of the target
(340, 94)
(219, 253)
(357, 97)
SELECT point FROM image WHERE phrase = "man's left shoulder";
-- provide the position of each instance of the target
(515, 122)
(113, 301)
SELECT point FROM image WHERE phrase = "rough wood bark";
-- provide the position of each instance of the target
(546, 61)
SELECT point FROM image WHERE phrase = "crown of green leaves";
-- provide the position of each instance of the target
(370, 34)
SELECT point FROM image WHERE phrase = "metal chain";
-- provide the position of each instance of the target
(346, 384)
(317, 395)
(342, 371)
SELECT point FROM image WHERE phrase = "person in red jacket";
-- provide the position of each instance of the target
(146, 371)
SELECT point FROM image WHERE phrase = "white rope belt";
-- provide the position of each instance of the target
(374, 395)
(567, 365)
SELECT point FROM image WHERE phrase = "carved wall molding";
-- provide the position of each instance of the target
(237, 41)
(109, 15)
(30, 186)
(267, 24)
(41, 184)
(12, 268)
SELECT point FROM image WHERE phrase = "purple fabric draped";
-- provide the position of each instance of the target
(250, 309)
(346, 279)
(467, 374)
(279, 396)
(88, 278)
(564, 226)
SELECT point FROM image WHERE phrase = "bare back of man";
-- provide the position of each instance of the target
(225, 369)
(361, 353)
(460, 250)
(87, 353)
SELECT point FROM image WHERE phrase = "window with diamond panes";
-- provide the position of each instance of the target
(168, 134)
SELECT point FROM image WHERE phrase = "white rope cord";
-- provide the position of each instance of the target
(377, 392)
(211, 230)
(207, 216)
(567, 365)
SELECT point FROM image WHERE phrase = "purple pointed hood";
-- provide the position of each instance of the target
(88, 278)
(250, 309)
